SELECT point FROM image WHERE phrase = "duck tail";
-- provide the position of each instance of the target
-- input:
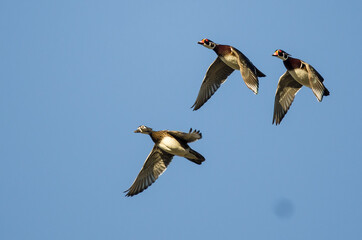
(259, 73)
(326, 92)
(195, 157)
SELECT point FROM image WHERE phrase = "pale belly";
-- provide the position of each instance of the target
(300, 76)
(231, 61)
(172, 146)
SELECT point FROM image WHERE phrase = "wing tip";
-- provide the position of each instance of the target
(196, 107)
(128, 193)
(131, 193)
(277, 119)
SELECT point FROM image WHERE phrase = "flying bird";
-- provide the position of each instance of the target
(228, 59)
(298, 74)
(167, 145)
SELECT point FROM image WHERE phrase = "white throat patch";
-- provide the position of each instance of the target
(211, 46)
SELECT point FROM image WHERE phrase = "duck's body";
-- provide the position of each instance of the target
(295, 68)
(301, 76)
(225, 53)
(228, 60)
(231, 61)
(298, 74)
(172, 143)
(167, 144)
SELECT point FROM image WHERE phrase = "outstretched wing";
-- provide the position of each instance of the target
(216, 74)
(284, 96)
(155, 164)
(315, 81)
(248, 71)
(191, 136)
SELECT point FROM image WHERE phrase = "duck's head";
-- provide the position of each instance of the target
(281, 54)
(207, 43)
(143, 129)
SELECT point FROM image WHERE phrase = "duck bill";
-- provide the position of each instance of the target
(201, 42)
(137, 131)
(275, 54)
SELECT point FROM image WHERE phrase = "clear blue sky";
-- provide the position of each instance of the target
(78, 77)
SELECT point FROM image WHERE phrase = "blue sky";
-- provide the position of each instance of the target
(78, 77)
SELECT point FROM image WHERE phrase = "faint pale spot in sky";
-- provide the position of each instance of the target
(284, 208)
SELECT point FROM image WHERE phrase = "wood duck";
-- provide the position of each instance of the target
(298, 74)
(228, 60)
(167, 144)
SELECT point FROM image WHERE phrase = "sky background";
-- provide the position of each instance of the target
(78, 77)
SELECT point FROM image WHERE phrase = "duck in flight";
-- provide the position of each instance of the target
(298, 74)
(167, 145)
(228, 59)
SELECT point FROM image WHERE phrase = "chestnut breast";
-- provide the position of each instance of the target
(292, 63)
(227, 56)
(297, 70)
